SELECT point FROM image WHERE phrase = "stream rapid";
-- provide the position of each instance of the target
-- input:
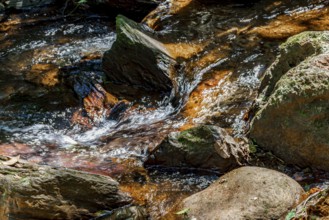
(230, 50)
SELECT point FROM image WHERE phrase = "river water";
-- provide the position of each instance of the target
(223, 50)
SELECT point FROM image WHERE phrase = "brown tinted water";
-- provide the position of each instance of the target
(223, 49)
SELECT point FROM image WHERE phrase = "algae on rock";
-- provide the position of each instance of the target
(200, 147)
(293, 120)
(29, 191)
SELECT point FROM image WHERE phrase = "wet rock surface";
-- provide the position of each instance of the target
(225, 50)
(222, 48)
(244, 193)
(200, 147)
(24, 4)
(43, 75)
(136, 58)
(293, 119)
(39, 192)
(131, 213)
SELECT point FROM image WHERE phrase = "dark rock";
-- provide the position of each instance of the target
(135, 6)
(26, 4)
(137, 59)
(244, 193)
(2, 7)
(118, 110)
(200, 147)
(293, 119)
(41, 192)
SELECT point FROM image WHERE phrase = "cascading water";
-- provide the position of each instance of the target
(222, 72)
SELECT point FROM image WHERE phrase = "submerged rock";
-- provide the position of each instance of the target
(200, 147)
(244, 193)
(293, 119)
(97, 103)
(41, 192)
(137, 59)
(43, 75)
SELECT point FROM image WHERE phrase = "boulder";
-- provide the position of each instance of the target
(41, 192)
(138, 59)
(293, 116)
(244, 193)
(200, 147)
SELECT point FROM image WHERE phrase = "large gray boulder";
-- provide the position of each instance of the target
(293, 116)
(200, 147)
(244, 193)
(138, 59)
(41, 192)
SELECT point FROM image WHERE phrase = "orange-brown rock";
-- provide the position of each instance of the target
(97, 105)
(78, 118)
(43, 74)
(198, 98)
(285, 26)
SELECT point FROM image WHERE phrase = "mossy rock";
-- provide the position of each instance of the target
(293, 120)
(200, 147)
(29, 191)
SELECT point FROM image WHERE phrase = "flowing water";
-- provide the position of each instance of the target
(223, 51)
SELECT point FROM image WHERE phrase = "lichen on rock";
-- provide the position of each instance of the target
(200, 147)
(293, 120)
(244, 193)
(30, 191)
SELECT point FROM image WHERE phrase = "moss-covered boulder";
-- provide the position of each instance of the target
(200, 147)
(293, 120)
(30, 191)
(138, 59)
(244, 193)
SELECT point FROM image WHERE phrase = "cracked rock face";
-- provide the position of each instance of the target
(293, 116)
(41, 192)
